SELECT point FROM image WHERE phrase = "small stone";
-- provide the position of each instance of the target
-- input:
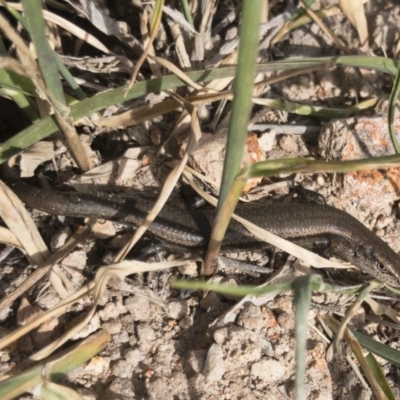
(74, 264)
(134, 357)
(122, 369)
(327, 83)
(268, 140)
(189, 268)
(286, 321)
(112, 327)
(27, 313)
(268, 370)
(251, 318)
(288, 143)
(186, 322)
(139, 307)
(98, 366)
(211, 300)
(214, 366)
(122, 387)
(146, 337)
(269, 318)
(111, 311)
(59, 238)
(383, 222)
(121, 337)
(159, 389)
(103, 229)
(46, 332)
(177, 309)
(115, 352)
(132, 340)
(128, 322)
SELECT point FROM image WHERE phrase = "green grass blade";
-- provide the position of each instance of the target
(157, 15)
(308, 166)
(241, 290)
(241, 107)
(237, 131)
(7, 79)
(379, 349)
(19, 83)
(45, 55)
(380, 64)
(186, 12)
(48, 62)
(17, 15)
(301, 11)
(379, 376)
(85, 108)
(80, 94)
(317, 284)
(392, 106)
(61, 364)
(317, 111)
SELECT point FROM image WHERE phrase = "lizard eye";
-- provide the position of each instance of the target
(380, 267)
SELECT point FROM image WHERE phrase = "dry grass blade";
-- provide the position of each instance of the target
(351, 312)
(70, 27)
(339, 44)
(176, 71)
(384, 309)
(150, 111)
(354, 11)
(103, 22)
(155, 23)
(29, 64)
(302, 20)
(177, 17)
(147, 44)
(54, 312)
(138, 115)
(49, 70)
(42, 269)
(21, 225)
(8, 238)
(172, 179)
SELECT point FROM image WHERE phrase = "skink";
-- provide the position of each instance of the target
(191, 228)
